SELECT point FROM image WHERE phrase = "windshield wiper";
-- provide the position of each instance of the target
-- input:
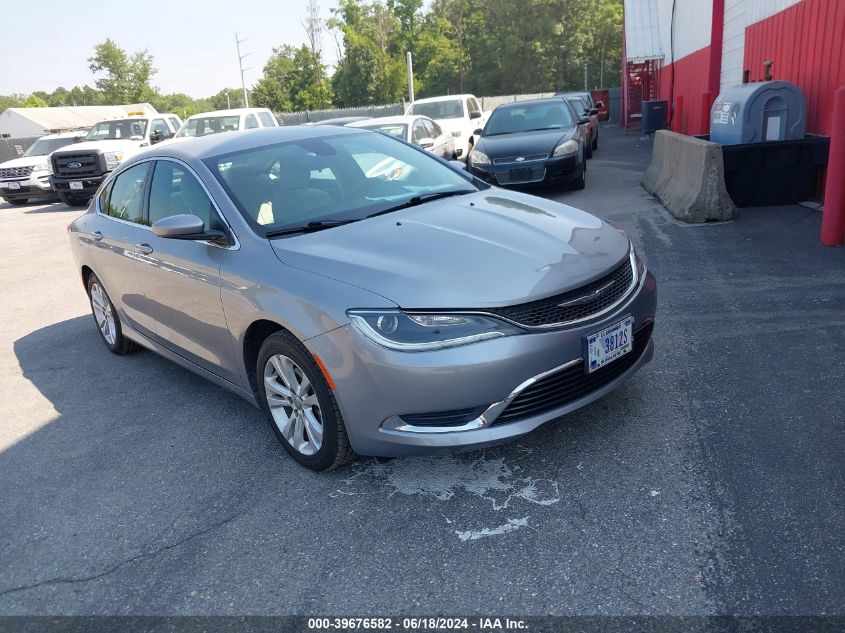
(421, 198)
(311, 227)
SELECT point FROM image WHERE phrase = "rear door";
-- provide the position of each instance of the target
(120, 235)
(183, 285)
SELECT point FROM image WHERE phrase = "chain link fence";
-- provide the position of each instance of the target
(13, 147)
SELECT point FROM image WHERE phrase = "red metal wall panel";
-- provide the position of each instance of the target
(806, 42)
(691, 77)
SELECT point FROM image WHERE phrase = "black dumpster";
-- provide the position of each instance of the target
(774, 172)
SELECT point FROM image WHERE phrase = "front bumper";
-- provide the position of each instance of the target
(546, 171)
(35, 186)
(89, 185)
(375, 386)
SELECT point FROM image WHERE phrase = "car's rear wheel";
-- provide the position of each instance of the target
(73, 201)
(105, 315)
(596, 141)
(17, 201)
(581, 181)
(589, 150)
(300, 405)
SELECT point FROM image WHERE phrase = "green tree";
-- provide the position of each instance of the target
(294, 79)
(34, 101)
(126, 77)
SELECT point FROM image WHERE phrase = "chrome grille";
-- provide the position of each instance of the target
(513, 159)
(575, 305)
(15, 172)
(89, 164)
(521, 176)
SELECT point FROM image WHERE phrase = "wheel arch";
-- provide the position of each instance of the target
(254, 336)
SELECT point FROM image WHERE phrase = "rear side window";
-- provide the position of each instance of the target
(174, 190)
(125, 200)
(267, 119)
(250, 122)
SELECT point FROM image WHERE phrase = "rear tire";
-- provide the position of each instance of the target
(105, 316)
(588, 152)
(300, 405)
(18, 202)
(580, 182)
(72, 200)
(596, 141)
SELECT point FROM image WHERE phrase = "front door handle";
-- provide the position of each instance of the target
(146, 249)
(96, 236)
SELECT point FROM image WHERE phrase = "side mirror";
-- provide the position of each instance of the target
(184, 226)
(475, 115)
(426, 143)
(458, 164)
(477, 131)
(584, 120)
(594, 112)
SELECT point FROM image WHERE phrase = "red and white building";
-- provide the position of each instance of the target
(687, 51)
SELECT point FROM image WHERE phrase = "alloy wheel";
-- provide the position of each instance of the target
(293, 404)
(103, 313)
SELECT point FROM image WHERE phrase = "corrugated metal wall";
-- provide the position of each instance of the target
(806, 42)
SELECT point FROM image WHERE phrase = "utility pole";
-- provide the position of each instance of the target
(241, 64)
(228, 104)
(409, 60)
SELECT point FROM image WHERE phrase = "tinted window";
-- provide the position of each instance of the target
(126, 200)
(175, 190)
(529, 117)
(250, 122)
(267, 119)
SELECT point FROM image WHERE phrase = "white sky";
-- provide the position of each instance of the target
(46, 43)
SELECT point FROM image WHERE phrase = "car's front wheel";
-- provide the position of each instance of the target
(105, 315)
(73, 201)
(581, 181)
(300, 405)
(17, 201)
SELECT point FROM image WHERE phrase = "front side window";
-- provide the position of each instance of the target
(134, 129)
(419, 131)
(267, 119)
(449, 109)
(174, 190)
(431, 129)
(286, 185)
(126, 198)
(160, 126)
(250, 122)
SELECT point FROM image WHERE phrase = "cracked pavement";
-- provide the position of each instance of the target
(710, 483)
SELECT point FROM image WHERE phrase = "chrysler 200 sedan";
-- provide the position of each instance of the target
(369, 297)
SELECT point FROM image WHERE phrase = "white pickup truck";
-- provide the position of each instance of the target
(79, 169)
(459, 115)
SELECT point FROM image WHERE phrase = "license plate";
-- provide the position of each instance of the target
(612, 342)
(13, 185)
(75, 184)
(520, 174)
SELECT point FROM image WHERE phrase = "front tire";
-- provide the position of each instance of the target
(580, 182)
(300, 405)
(73, 201)
(18, 202)
(105, 316)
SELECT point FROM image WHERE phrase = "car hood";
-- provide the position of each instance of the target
(480, 250)
(24, 161)
(127, 147)
(524, 143)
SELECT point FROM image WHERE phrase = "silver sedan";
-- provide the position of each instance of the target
(369, 297)
(416, 129)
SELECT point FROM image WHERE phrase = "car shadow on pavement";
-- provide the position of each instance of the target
(56, 207)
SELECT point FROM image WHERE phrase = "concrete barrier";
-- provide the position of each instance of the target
(687, 174)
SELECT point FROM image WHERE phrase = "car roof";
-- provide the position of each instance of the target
(402, 119)
(517, 104)
(341, 120)
(202, 147)
(445, 98)
(230, 112)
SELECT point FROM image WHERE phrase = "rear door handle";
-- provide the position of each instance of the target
(146, 249)
(96, 236)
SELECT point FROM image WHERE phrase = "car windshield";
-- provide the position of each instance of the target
(203, 126)
(391, 129)
(528, 118)
(134, 129)
(330, 179)
(45, 146)
(449, 109)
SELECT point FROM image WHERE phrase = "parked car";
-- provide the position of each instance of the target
(536, 141)
(458, 115)
(395, 314)
(28, 176)
(78, 171)
(206, 123)
(583, 111)
(343, 120)
(419, 130)
(585, 95)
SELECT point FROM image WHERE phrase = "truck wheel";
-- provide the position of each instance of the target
(17, 201)
(73, 201)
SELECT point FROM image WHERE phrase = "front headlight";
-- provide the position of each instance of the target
(418, 332)
(567, 148)
(478, 158)
(113, 159)
(41, 167)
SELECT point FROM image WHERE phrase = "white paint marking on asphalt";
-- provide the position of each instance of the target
(510, 526)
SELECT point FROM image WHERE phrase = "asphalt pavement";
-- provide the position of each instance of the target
(710, 483)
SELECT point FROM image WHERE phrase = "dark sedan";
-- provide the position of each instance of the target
(535, 141)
